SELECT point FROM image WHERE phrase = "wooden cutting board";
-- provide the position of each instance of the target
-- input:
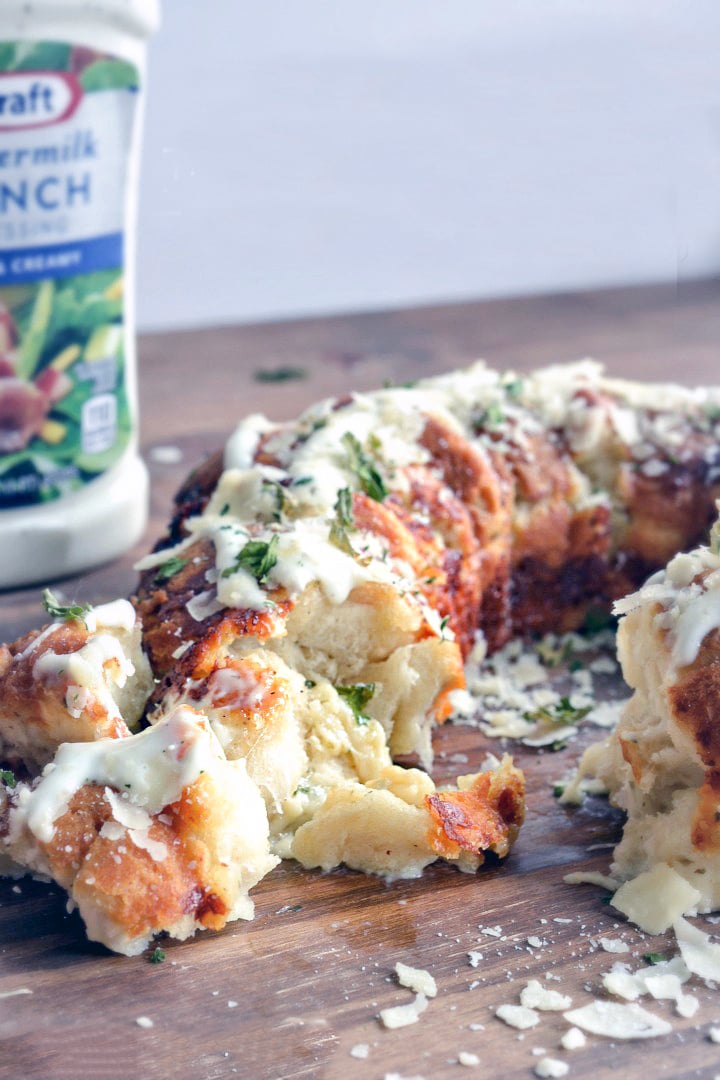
(295, 991)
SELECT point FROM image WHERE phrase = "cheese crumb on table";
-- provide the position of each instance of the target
(573, 1039)
(403, 1015)
(145, 1022)
(551, 1067)
(360, 1050)
(701, 955)
(617, 1021)
(655, 899)
(537, 996)
(464, 1058)
(614, 945)
(517, 1016)
(416, 979)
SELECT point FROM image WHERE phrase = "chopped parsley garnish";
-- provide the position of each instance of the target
(280, 374)
(343, 521)
(558, 790)
(170, 568)
(63, 611)
(8, 777)
(225, 510)
(309, 684)
(302, 480)
(343, 508)
(561, 712)
(157, 956)
(357, 697)
(257, 557)
(283, 500)
(513, 388)
(362, 465)
(493, 416)
(654, 958)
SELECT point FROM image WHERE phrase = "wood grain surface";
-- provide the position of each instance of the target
(292, 993)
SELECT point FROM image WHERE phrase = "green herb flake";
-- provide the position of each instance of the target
(363, 467)
(493, 416)
(513, 388)
(558, 790)
(170, 568)
(280, 374)
(257, 557)
(309, 684)
(357, 697)
(283, 501)
(63, 611)
(654, 958)
(343, 508)
(343, 521)
(8, 777)
(561, 712)
(157, 956)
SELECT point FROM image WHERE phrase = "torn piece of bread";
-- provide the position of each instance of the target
(662, 763)
(148, 833)
(72, 681)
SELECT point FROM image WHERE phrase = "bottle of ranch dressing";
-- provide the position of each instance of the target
(73, 490)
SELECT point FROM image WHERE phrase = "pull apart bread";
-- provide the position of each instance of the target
(661, 765)
(305, 621)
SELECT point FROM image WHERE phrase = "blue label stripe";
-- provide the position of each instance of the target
(61, 260)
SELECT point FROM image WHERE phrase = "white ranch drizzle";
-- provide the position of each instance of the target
(153, 768)
(688, 593)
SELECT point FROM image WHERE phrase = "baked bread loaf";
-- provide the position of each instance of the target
(661, 765)
(312, 602)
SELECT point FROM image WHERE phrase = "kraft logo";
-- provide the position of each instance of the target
(30, 99)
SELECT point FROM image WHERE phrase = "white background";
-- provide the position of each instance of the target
(307, 156)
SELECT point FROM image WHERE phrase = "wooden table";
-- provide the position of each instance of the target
(310, 974)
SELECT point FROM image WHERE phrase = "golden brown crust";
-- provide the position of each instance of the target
(484, 817)
(124, 883)
(35, 713)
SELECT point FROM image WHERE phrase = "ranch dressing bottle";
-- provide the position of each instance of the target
(73, 490)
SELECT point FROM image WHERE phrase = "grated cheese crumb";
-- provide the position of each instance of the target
(700, 954)
(686, 1005)
(416, 979)
(614, 945)
(145, 1022)
(573, 1039)
(537, 996)
(464, 1058)
(518, 1016)
(360, 1050)
(655, 899)
(617, 1021)
(403, 1015)
(551, 1067)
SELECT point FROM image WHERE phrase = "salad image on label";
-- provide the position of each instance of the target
(64, 414)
